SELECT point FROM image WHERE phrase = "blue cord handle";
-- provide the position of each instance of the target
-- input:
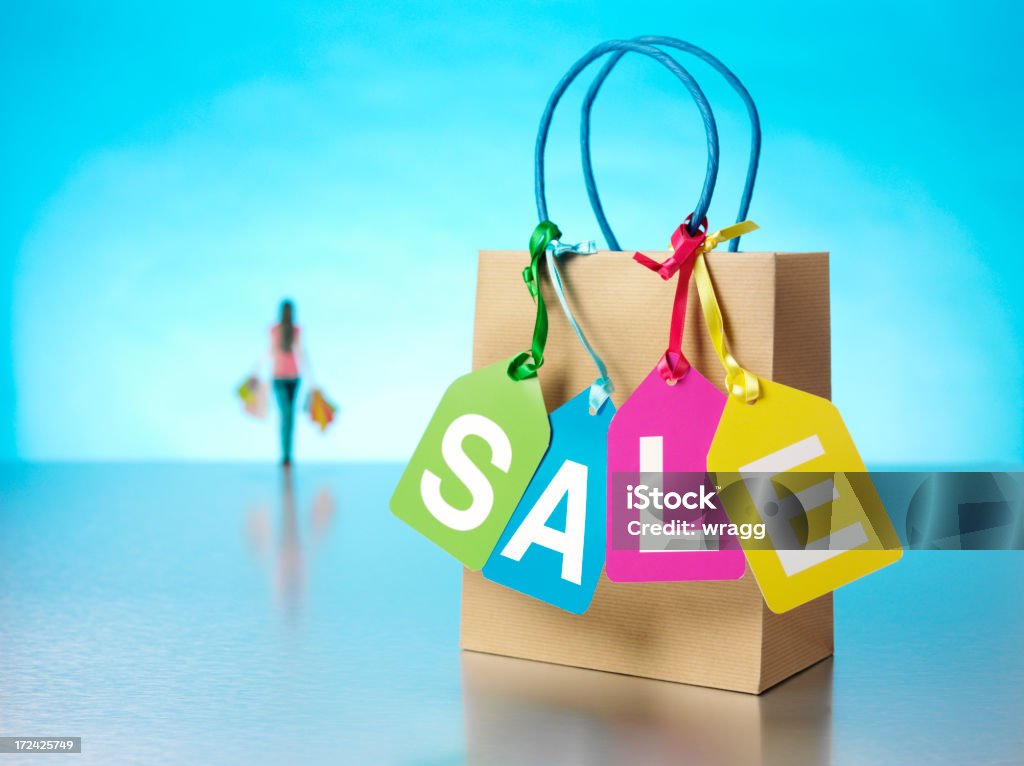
(602, 387)
(621, 47)
(732, 79)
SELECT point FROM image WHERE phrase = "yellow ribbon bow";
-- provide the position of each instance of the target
(738, 381)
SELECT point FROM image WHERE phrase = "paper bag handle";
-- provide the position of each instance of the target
(621, 47)
(730, 77)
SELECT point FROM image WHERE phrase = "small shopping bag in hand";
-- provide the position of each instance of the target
(253, 394)
(321, 410)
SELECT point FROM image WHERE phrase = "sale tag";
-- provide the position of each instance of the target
(474, 462)
(659, 439)
(787, 462)
(553, 547)
(663, 524)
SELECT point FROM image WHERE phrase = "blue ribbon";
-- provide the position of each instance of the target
(601, 389)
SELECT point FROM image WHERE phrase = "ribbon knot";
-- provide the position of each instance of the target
(713, 240)
(530, 278)
(558, 248)
(684, 247)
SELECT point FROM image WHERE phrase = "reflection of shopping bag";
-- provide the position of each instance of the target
(253, 394)
(321, 410)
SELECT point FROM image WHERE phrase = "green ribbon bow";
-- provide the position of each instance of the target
(526, 364)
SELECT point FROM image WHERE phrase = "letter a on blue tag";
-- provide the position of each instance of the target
(553, 548)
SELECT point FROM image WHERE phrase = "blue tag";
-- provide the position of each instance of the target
(553, 547)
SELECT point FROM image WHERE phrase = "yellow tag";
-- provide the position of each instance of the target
(787, 461)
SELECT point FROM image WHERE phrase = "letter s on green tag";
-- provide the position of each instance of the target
(474, 462)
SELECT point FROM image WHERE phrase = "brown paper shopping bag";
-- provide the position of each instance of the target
(716, 633)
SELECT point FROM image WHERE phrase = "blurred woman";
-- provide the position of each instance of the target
(286, 356)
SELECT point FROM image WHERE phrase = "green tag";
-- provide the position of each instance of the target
(474, 462)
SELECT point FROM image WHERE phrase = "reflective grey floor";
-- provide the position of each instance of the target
(218, 614)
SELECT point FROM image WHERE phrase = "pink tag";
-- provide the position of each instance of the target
(659, 440)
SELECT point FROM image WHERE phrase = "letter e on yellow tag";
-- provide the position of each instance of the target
(788, 462)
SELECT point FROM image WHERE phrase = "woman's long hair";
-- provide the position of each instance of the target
(286, 334)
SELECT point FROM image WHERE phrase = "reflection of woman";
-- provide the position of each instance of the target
(286, 353)
(289, 561)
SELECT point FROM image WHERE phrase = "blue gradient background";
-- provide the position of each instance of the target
(171, 170)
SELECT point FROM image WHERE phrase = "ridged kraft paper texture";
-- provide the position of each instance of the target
(718, 634)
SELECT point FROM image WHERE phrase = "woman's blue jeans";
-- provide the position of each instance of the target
(285, 390)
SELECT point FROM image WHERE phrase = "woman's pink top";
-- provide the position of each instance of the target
(286, 363)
